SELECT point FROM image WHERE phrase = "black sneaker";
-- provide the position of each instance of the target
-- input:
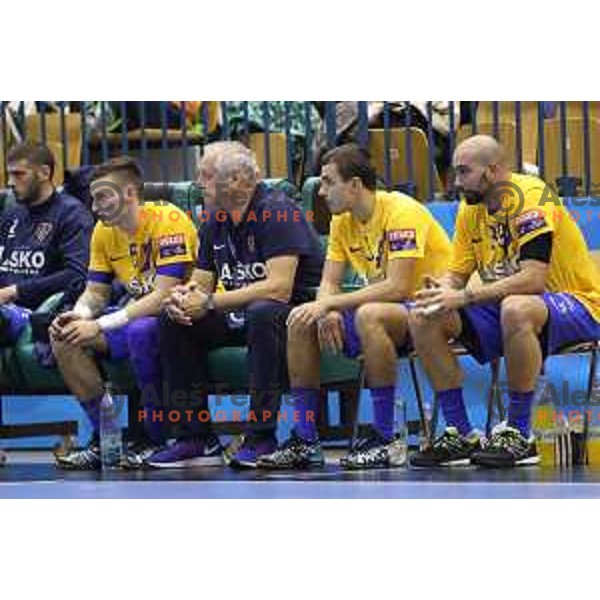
(251, 449)
(375, 452)
(506, 448)
(295, 453)
(136, 455)
(87, 459)
(449, 450)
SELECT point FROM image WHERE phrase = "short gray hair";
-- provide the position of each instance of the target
(231, 158)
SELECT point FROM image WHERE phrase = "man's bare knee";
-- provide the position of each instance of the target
(298, 332)
(421, 326)
(61, 348)
(375, 320)
(368, 316)
(519, 313)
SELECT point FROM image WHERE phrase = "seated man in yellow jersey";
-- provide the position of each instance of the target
(149, 248)
(392, 242)
(539, 291)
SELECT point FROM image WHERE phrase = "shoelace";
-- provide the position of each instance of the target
(448, 441)
(293, 442)
(86, 456)
(140, 447)
(140, 451)
(368, 443)
(505, 439)
(290, 446)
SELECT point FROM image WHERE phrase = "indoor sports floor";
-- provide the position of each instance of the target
(32, 475)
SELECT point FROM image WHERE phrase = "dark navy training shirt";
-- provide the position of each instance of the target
(273, 225)
(44, 249)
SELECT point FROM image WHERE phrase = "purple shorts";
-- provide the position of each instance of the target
(134, 338)
(352, 346)
(569, 322)
(138, 341)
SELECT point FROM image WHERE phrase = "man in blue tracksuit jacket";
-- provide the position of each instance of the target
(44, 239)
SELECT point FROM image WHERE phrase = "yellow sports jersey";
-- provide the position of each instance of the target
(166, 243)
(399, 227)
(490, 244)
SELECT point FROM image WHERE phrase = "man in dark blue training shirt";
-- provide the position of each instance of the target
(44, 239)
(258, 245)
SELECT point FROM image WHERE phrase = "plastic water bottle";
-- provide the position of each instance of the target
(400, 446)
(563, 452)
(111, 436)
(427, 435)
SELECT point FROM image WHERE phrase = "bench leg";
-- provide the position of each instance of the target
(494, 400)
(426, 430)
(351, 406)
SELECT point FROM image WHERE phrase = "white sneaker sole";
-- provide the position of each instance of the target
(532, 460)
(200, 461)
(241, 464)
(461, 463)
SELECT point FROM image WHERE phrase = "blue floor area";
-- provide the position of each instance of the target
(291, 490)
(42, 480)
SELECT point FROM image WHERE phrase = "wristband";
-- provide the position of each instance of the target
(114, 320)
(431, 310)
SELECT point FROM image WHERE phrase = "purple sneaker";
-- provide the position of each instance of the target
(190, 452)
(251, 449)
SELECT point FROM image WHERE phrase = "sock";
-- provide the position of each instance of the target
(383, 410)
(304, 400)
(92, 410)
(144, 353)
(455, 412)
(519, 411)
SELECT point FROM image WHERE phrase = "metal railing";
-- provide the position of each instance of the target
(411, 143)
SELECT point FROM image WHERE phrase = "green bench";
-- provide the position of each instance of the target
(20, 372)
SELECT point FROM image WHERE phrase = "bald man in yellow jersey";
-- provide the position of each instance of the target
(392, 243)
(148, 248)
(538, 291)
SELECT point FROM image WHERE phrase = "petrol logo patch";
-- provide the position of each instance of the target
(402, 239)
(172, 245)
(529, 221)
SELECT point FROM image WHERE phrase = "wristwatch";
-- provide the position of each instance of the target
(210, 302)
